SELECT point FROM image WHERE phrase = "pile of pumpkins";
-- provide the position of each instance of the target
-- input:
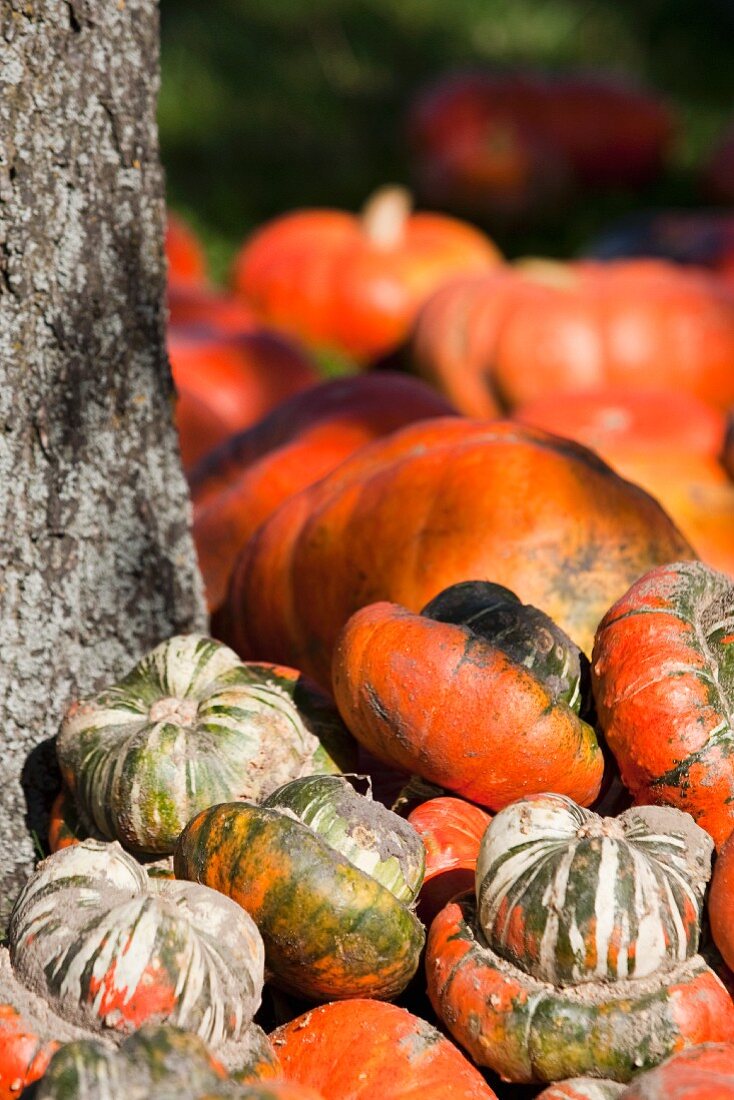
(445, 804)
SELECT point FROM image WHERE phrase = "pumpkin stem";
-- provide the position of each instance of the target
(384, 215)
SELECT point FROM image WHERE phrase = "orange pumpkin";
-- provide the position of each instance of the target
(227, 382)
(243, 482)
(721, 903)
(548, 327)
(353, 1050)
(705, 1072)
(184, 253)
(438, 503)
(668, 442)
(452, 830)
(355, 284)
(201, 307)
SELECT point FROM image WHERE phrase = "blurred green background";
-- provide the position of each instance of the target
(268, 105)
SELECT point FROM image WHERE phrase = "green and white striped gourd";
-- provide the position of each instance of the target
(190, 726)
(109, 948)
(571, 897)
(371, 837)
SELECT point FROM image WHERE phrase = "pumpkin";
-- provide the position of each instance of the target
(704, 238)
(354, 1049)
(109, 948)
(434, 504)
(156, 1061)
(230, 379)
(445, 700)
(184, 254)
(545, 327)
(704, 1073)
(668, 442)
(451, 830)
(354, 284)
(190, 725)
(511, 145)
(371, 837)
(330, 929)
(579, 957)
(199, 307)
(721, 903)
(305, 437)
(582, 1088)
(662, 676)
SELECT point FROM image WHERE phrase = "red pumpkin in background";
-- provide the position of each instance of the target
(718, 172)
(241, 483)
(227, 382)
(201, 307)
(184, 253)
(668, 442)
(354, 284)
(511, 145)
(452, 830)
(544, 327)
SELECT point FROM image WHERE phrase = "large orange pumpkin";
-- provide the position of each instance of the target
(705, 1072)
(241, 483)
(668, 442)
(438, 503)
(510, 144)
(226, 382)
(355, 284)
(355, 1050)
(547, 327)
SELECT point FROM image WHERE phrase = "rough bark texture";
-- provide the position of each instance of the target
(96, 560)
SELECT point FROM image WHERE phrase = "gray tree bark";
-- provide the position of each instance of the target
(96, 558)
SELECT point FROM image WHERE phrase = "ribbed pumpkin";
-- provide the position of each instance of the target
(241, 483)
(548, 327)
(579, 958)
(156, 1061)
(435, 504)
(582, 1088)
(355, 1050)
(704, 1073)
(232, 379)
(354, 284)
(444, 699)
(110, 948)
(663, 676)
(330, 929)
(451, 830)
(668, 442)
(189, 726)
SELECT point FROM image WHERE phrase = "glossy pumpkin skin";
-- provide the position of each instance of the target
(305, 437)
(452, 830)
(569, 897)
(24, 1055)
(549, 327)
(440, 700)
(353, 1049)
(189, 726)
(704, 1073)
(668, 442)
(354, 285)
(234, 379)
(435, 504)
(162, 951)
(663, 677)
(530, 1031)
(330, 930)
(373, 838)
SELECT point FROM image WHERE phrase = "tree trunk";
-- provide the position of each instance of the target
(96, 558)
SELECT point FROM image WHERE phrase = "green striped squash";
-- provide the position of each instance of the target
(110, 949)
(371, 837)
(571, 897)
(190, 726)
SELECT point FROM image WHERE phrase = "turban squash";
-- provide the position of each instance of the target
(437, 503)
(663, 678)
(579, 957)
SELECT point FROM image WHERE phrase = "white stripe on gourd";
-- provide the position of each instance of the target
(614, 890)
(90, 923)
(186, 729)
